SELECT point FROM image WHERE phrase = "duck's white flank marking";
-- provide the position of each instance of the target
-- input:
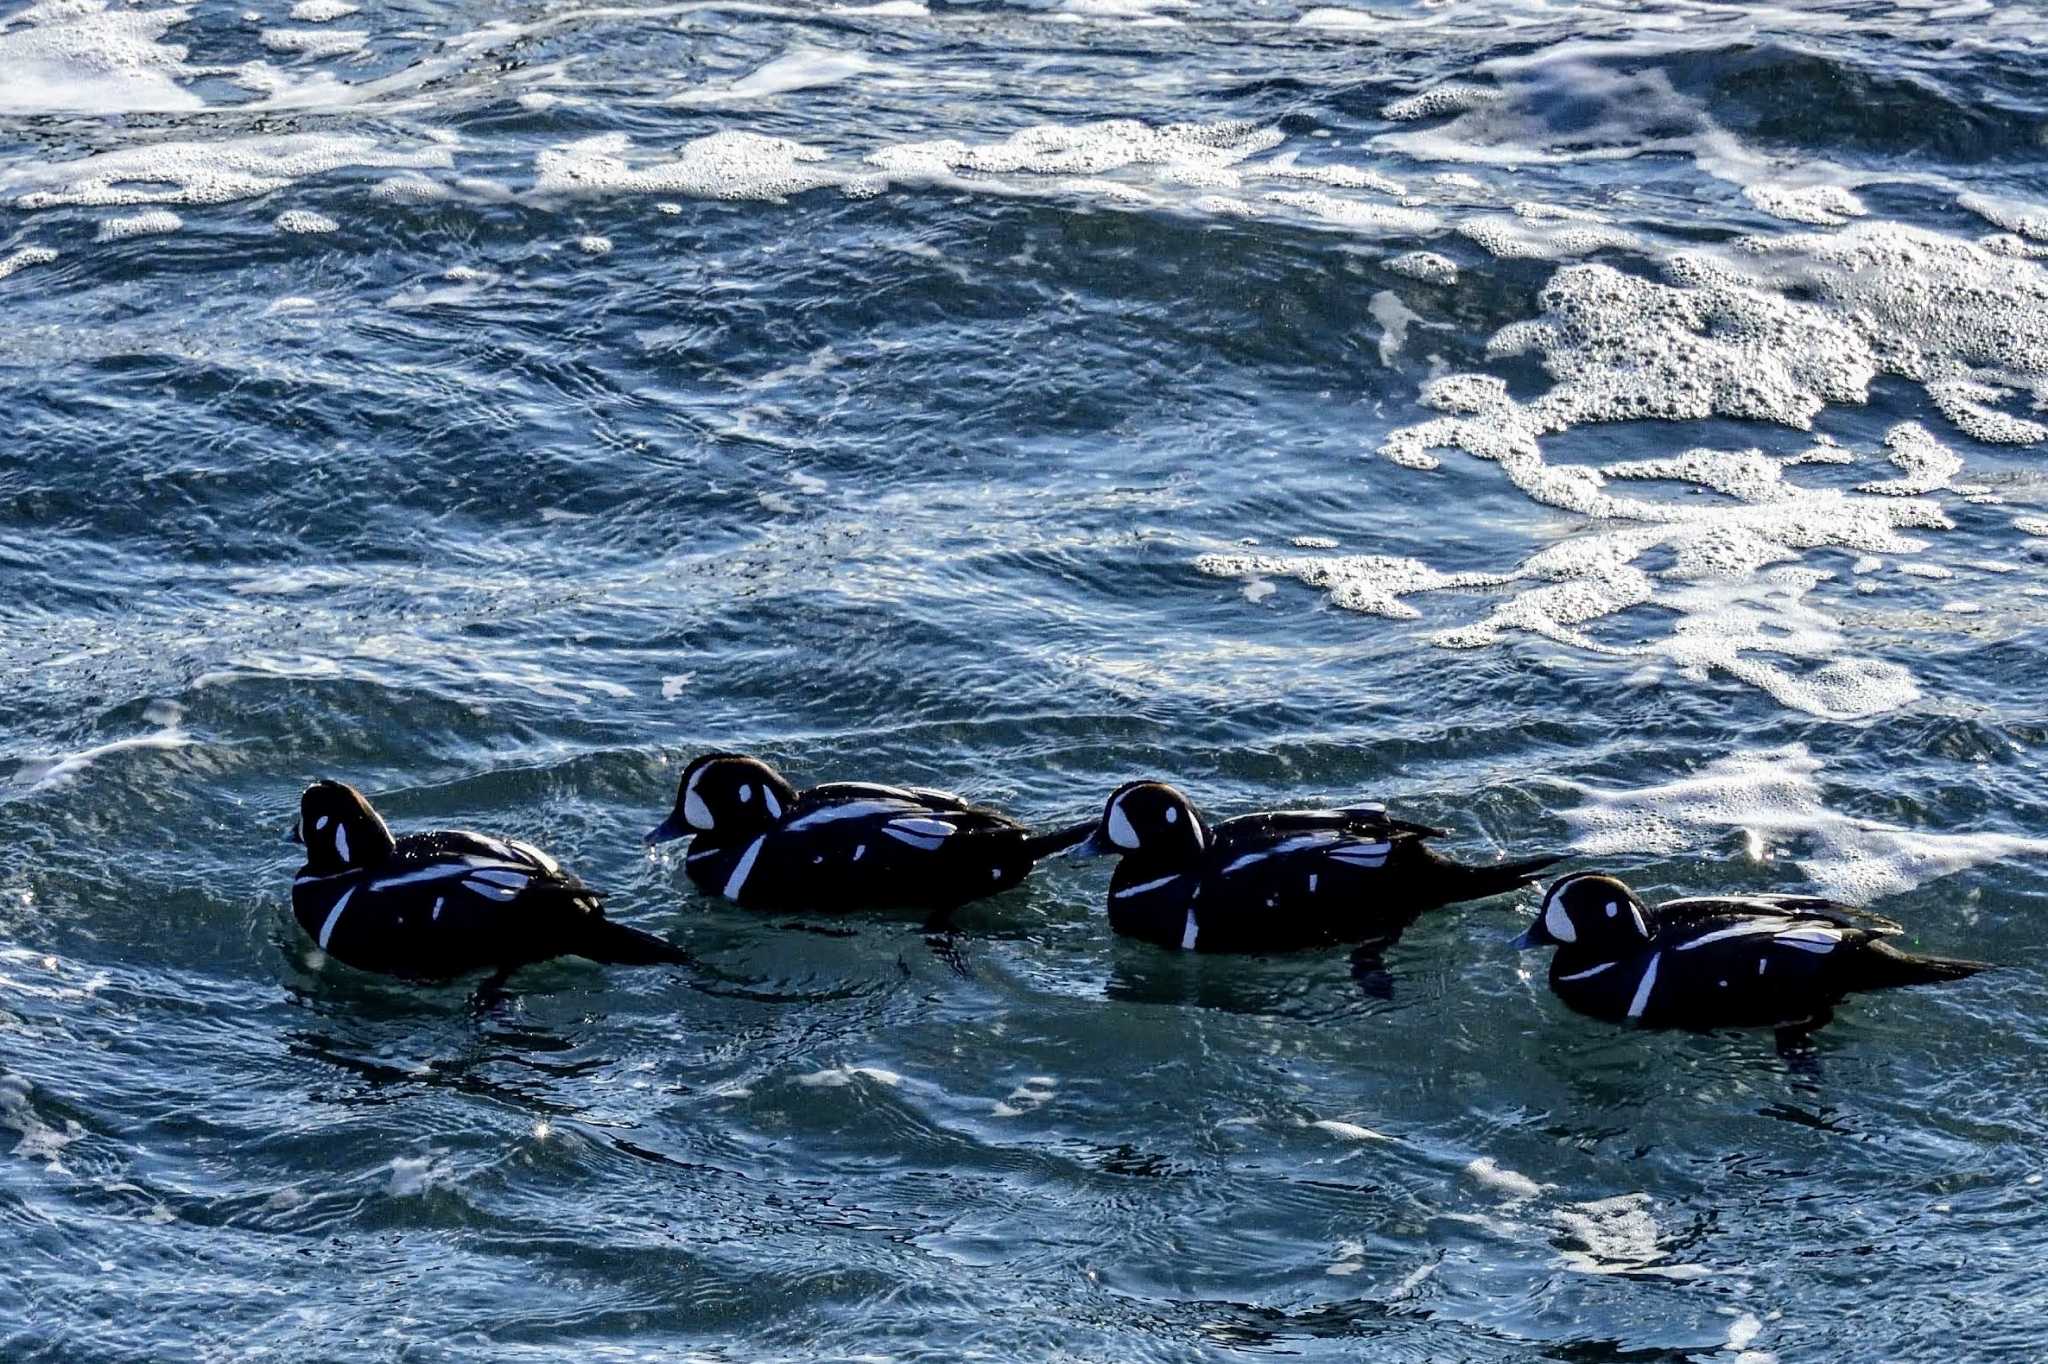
(1149, 885)
(1811, 939)
(515, 880)
(1361, 854)
(738, 879)
(439, 900)
(334, 917)
(1751, 929)
(1649, 981)
(1589, 972)
(850, 809)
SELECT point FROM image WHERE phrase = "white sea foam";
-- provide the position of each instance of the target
(1773, 797)
(840, 1076)
(305, 222)
(46, 773)
(314, 42)
(149, 222)
(321, 11)
(725, 165)
(25, 257)
(1427, 266)
(200, 172)
(86, 56)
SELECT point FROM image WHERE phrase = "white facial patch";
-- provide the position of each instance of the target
(746, 793)
(1119, 826)
(319, 824)
(1612, 909)
(1556, 922)
(1637, 915)
(341, 841)
(1172, 815)
(696, 813)
(774, 806)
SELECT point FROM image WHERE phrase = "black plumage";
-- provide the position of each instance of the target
(1780, 961)
(437, 905)
(1277, 881)
(758, 841)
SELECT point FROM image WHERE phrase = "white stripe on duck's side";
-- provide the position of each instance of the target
(1811, 939)
(1648, 983)
(923, 834)
(1361, 854)
(738, 879)
(852, 809)
(1743, 930)
(333, 918)
(1280, 849)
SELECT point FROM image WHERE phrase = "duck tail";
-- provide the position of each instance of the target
(1882, 967)
(1493, 878)
(617, 944)
(1041, 846)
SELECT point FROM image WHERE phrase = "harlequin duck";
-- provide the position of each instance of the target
(758, 841)
(1780, 961)
(436, 905)
(1278, 881)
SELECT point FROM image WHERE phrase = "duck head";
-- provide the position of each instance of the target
(1147, 819)
(728, 794)
(339, 829)
(1590, 912)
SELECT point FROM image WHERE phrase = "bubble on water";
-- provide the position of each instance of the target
(887, 9)
(1035, 1092)
(315, 42)
(1371, 583)
(594, 245)
(1313, 542)
(411, 1176)
(321, 11)
(2027, 220)
(409, 189)
(1357, 213)
(726, 165)
(1557, 239)
(150, 222)
(1451, 97)
(304, 222)
(200, 172)
(86, 56)
(25, 257)
(1928, 464)
(1936, 572)
(1426, 266)
(1616, 1236)
(1821, 205)
(1775, 794)
(1288, 167)
(1085, 149)
(2036, 526)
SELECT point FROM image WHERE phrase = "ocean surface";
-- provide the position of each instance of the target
(1610, 429)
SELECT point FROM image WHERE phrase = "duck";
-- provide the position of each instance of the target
(760, 843)
(1277, 881)
(1702, 962)
(438, 905)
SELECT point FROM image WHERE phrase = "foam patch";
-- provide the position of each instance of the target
(1774, 798)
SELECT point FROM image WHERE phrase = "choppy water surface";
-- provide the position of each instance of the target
(1594, 426)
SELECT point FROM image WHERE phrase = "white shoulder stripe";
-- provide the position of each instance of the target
(334, 917)
(1149, 885)
(1649, 981)
(1748, 929)
(1187, 937)
(738, 880)
(1589, 972)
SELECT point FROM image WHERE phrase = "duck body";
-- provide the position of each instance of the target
(434, 906)
(1776, 961)
(844, 846)
(1279, 881)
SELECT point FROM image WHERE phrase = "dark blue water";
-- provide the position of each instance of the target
(1604, 428)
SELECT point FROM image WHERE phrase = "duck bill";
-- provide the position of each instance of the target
(668, 831)
(1531, 937)
(1095, 845)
